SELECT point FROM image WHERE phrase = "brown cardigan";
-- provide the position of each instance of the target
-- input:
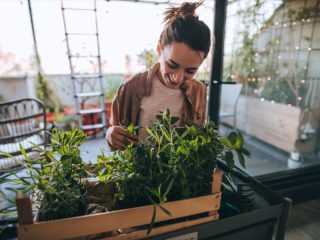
(127, 100)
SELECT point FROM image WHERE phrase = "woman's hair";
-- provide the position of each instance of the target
(182, 25)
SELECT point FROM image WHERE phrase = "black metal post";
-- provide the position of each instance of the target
(217, 61)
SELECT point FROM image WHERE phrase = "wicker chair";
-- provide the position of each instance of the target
(21, 122)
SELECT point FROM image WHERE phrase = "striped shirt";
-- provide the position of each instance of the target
(161, 98)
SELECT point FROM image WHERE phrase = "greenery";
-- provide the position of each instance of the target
(172, 164)
(46, 94)
(148, 57)
(263, 37)
(53, 177)
(112, 83)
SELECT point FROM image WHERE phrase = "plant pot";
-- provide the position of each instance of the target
(275, 123)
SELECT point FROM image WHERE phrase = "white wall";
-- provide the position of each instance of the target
(17, 87)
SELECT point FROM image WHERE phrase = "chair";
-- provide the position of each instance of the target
(229, 98)
(21, 122)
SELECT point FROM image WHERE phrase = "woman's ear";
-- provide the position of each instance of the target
(158, 49)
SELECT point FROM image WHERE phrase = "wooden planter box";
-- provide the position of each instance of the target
(275, 123)
(126, 219)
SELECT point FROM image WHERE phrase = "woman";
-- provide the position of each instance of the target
(183, 45)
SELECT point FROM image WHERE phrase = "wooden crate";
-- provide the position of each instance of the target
(109, 222)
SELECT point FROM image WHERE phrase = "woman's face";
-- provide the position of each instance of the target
(178, 63)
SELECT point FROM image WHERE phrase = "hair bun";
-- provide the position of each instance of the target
(186, 8)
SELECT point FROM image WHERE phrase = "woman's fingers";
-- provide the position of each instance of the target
(128, 135)
(119, 137)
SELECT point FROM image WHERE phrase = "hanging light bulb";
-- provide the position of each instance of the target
(309, 49)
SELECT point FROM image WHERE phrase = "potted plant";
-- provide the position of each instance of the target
(172, 165)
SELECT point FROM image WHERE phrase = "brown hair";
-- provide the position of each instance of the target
(182, 25)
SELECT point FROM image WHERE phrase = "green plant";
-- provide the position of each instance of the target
(148, 57)
(53, 176)
(172, 164)
(46, 94)
(112, 83)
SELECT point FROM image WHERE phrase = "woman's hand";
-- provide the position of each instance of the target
(118, 137)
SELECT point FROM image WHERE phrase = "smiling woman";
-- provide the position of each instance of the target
(183, 45)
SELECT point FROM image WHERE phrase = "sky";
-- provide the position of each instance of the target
(125, 29)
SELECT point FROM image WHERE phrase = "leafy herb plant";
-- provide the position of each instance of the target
(172, 164)
(53, 176)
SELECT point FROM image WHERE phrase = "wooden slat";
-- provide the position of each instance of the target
(216, 186)
(24, 209)
(104, 222)
(164, 229)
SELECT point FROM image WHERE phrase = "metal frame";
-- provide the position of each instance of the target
(19, 120)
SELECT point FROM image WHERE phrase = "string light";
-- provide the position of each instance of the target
(299, 98)
(303, 81)
(297, 47)
(294, 23)
(252, 70)
(272, 101)
(308, 20)
(269, 78)
(309, 49)
(279, 57)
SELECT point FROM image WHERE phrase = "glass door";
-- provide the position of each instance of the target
(272, 52)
